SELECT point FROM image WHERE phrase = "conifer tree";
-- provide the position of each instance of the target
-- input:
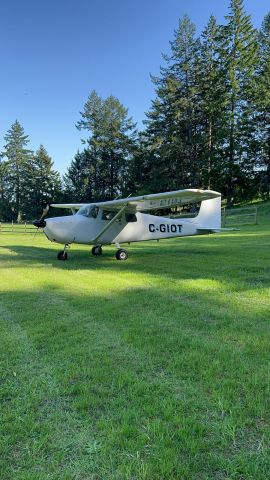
(110, 144)
(80, 179)
(239, 52)
(43, 183)
(262, 101)
(171, 136)
(18, 158)
(211, 101)
(5, 209)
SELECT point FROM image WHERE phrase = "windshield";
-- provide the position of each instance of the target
(89, 211)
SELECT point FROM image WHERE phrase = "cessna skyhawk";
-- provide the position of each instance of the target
(127, 220)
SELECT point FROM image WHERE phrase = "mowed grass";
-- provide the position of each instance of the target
(155, 368)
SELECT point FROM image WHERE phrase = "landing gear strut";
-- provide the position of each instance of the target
(63, 254)
(97, 250)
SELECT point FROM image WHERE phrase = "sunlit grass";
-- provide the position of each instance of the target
(153, 368)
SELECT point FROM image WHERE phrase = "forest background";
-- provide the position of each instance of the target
(208, 127)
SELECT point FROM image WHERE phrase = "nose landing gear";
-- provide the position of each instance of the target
(62, 255)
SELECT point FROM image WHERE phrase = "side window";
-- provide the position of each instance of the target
(131, 217)
(108, 215)
(88, 211)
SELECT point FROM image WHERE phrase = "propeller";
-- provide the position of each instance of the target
(41, 223)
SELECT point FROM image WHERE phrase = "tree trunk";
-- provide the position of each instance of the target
(210, 148)
(18, 194)
(111, 175)
(231, 157)
(268, 176)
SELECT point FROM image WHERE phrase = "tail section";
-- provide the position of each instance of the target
(209, 216)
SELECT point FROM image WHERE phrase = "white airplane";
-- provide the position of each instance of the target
(124, 221)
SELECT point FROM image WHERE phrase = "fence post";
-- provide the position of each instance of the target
(256, 215)
(12, 226)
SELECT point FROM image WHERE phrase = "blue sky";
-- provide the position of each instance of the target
(54, 52)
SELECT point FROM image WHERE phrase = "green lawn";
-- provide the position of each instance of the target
(155, 368)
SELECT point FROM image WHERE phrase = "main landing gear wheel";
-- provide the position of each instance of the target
(121, 254)
(62, 255)
(97, 250)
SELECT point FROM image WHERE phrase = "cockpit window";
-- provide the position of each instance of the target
(108, 214)
(131, 217)
(91, 211)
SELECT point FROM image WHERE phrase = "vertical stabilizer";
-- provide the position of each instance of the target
(209, 216)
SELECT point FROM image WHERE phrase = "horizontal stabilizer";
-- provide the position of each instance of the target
(208, 230)
(211, 229)
(229, 229)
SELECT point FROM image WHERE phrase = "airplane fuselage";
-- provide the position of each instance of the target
(83, 230)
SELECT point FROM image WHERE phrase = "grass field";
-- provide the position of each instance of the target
(156, 368)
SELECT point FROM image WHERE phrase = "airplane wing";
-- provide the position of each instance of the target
(160, 200)
(154, 201)
(75, 206)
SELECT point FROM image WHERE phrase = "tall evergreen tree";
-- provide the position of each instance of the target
(110, 144)
(172, 123)
(184, 62)
(80, 179)
(43, 183)
(5, 209)
(211, 100)
(262, 101)
(18, 158)
(239, 51)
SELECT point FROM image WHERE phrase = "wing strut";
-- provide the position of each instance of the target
(108, 225)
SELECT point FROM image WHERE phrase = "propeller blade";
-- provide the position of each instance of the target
(45, 211)
(41, 222)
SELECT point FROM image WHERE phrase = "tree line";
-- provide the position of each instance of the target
(208, 127)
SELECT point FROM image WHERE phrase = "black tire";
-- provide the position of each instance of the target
(62, 255)
(121, 254)
(97, 250)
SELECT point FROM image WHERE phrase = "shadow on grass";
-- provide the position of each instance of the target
(148, 376)
(222, 258)
(152, 367)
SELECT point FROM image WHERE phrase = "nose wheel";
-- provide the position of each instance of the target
(63, 254)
